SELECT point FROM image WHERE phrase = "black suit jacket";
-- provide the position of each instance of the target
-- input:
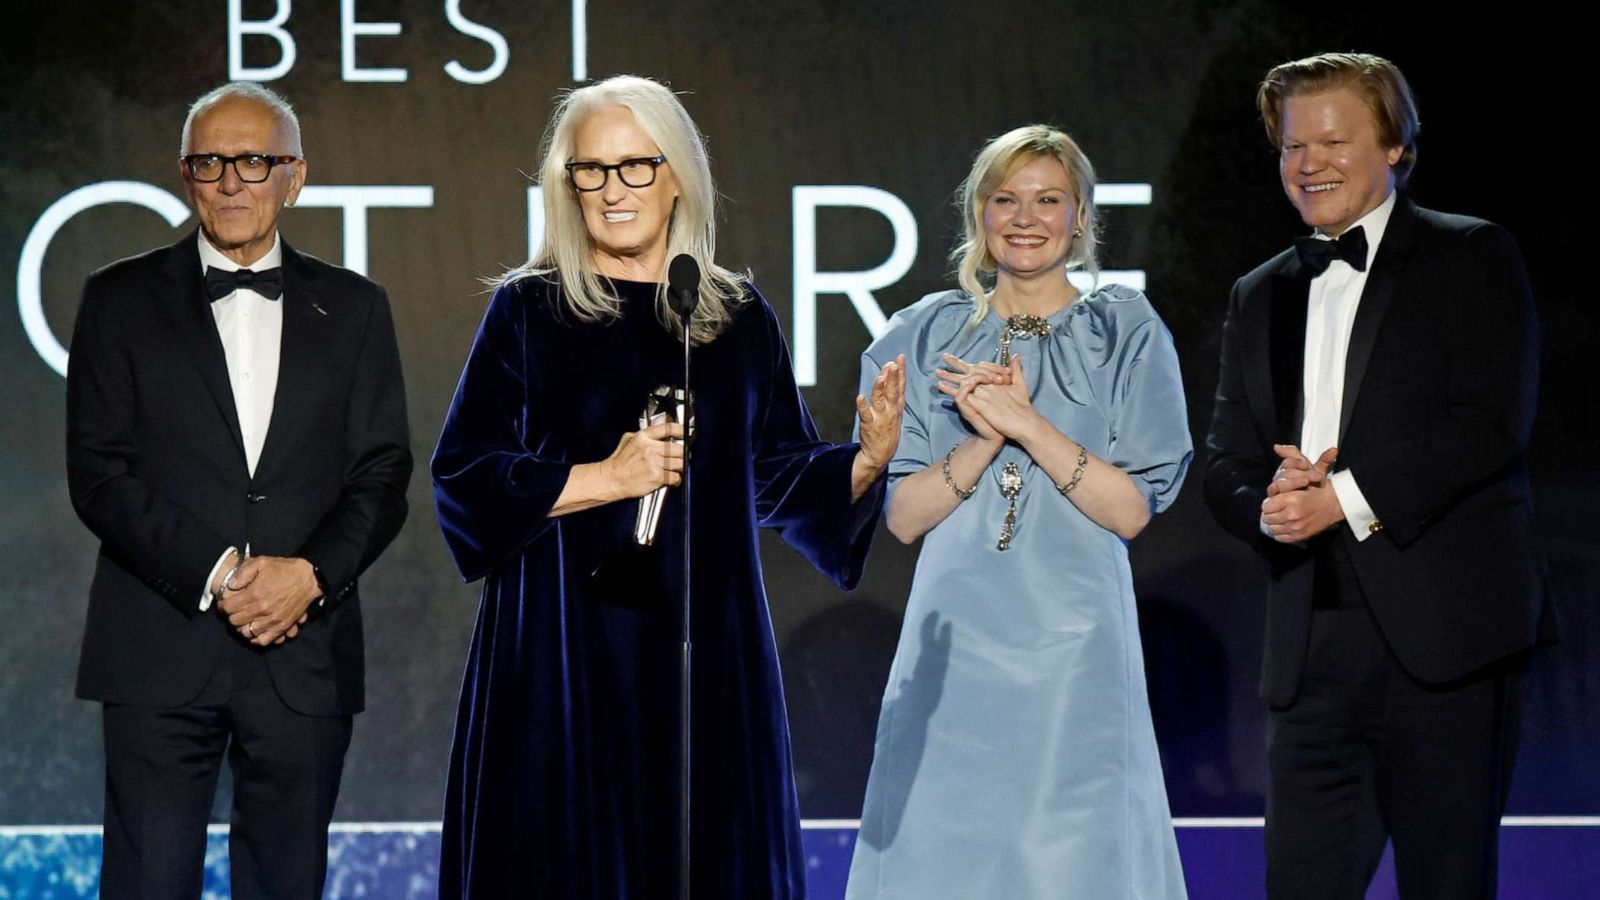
(1439, 396)
(156, 468)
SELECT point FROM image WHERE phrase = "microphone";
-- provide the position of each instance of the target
(683, 285)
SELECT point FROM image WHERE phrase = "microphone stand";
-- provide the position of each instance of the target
(683, 279)
(686, 416)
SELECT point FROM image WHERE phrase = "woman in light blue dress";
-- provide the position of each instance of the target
(1015, 756)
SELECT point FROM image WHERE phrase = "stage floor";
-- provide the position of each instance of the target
(1541, 858)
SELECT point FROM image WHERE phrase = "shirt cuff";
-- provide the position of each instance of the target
(205, 593)
(1358, 512)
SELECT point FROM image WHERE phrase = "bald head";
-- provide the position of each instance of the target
(249, 92)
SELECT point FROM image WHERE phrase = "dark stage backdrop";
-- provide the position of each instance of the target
(839, 132)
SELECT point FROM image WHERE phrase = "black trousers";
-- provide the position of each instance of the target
(1367, 754)
(161, 775)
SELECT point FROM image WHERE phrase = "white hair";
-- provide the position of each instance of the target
(246, 90)
(568, 248)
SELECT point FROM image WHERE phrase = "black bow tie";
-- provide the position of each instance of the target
(267, 282)
(1316, 253)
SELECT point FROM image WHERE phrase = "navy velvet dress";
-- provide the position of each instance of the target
(564, 770)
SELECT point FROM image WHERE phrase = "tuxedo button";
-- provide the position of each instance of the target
(254, 497)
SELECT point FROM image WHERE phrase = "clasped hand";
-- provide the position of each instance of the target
(1301, 503)
(993, 399)
(645, 460)
(267, 598)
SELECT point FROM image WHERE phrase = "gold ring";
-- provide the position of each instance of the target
(250, 627)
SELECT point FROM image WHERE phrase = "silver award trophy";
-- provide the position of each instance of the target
(666, 404)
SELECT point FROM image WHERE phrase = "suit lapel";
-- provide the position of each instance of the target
(304, 345)
(190, 312)
(1376, 297)
(1286, 347)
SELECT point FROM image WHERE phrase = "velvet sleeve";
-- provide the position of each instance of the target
(802, 484)
(495, 477)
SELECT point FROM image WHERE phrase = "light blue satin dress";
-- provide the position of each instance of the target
(1015, 756)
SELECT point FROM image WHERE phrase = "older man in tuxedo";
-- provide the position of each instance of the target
(237, 440)
(1376, 394)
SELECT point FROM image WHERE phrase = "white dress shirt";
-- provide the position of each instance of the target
(251, 328)
(1330, 314)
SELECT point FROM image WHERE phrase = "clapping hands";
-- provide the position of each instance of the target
(993, 399)
(880, 415)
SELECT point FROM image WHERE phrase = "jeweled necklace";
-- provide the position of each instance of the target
(1021, 326)
(1011, 474)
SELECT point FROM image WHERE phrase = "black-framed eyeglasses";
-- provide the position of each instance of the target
(252, 168)
(635, 173)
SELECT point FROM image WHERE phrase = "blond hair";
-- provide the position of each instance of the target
(998, 161)
(1376, 80)
(568, 248)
